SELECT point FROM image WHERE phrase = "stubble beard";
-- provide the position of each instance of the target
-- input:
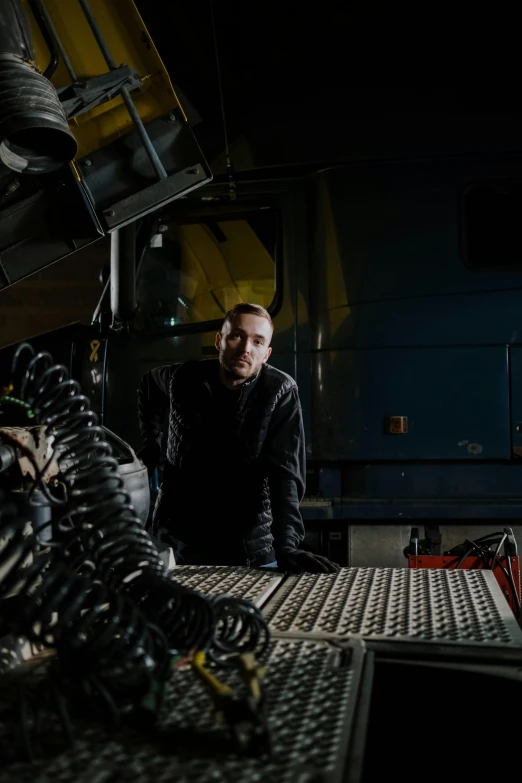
(233, 374)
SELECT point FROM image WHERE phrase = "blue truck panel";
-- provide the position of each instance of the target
(456, 401)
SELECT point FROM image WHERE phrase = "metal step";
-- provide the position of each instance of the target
(449, 606)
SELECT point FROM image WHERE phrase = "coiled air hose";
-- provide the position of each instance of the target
(102, 529)
(108, 654)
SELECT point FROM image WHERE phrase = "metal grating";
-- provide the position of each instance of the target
(466, 607)
(255, 585)
(311, 689)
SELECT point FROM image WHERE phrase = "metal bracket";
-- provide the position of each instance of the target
(433, 540)
(80, 97)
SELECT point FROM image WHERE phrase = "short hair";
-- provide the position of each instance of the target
(247, 308)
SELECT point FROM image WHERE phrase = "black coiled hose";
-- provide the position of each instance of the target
(106, 649)
(240, 627)
(102, 527)
(98, 513)
(185, 616)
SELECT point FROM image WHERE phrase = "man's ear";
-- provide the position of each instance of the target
(269, 351)
(218, 341)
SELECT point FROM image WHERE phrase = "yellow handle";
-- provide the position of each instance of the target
(198, 662)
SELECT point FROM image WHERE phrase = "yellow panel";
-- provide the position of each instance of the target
(129, 43)
(258, 291)
(205, 308)
(212, 276)
(244, 253)
(205, 248)
(215, 275)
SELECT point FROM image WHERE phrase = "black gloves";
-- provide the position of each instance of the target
(299, 561)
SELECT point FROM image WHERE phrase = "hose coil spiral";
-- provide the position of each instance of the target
(103, 530)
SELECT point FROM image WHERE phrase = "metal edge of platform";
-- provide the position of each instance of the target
(355, 757)
(502, 605)
(273, 580)
(277, 600)
(272, 587)
(351, 732)
(405, 643)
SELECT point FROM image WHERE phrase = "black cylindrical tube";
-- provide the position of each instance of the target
(34, 135)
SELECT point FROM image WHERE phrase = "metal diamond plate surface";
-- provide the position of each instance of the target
(311, 689)
(465, 607)
(255, 585)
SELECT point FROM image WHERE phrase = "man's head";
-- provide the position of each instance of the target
(244, 343)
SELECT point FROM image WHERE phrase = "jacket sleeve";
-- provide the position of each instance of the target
(153, 405)
(285, 451)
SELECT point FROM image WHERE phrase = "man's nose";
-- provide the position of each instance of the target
(246, 345)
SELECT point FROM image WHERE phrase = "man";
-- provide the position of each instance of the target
(235, 456)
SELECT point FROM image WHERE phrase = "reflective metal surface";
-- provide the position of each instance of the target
(401, 324)
(356, 393)
(465, 607)
(253, 584)
(311, 692)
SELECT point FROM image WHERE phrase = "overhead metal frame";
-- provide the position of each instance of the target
(124, 92)
(136, 152)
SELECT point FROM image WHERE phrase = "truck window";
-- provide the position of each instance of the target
(490, 226)
(204, 268)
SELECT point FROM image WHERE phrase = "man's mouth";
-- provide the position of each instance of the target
(242, 361)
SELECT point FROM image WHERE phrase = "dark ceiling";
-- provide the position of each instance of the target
(321, 81)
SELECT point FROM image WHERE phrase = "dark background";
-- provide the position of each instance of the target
(331, 80)
(318, 83)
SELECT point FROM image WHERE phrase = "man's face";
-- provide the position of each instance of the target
(244, 345)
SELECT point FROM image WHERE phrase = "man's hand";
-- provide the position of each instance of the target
(300, 561)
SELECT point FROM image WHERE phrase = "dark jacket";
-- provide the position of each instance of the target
(235, 460)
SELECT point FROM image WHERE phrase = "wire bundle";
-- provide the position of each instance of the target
(240, 627)
(102, 531)
(483, 547)
(77, 616)
(107, 652)
(99, 595)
